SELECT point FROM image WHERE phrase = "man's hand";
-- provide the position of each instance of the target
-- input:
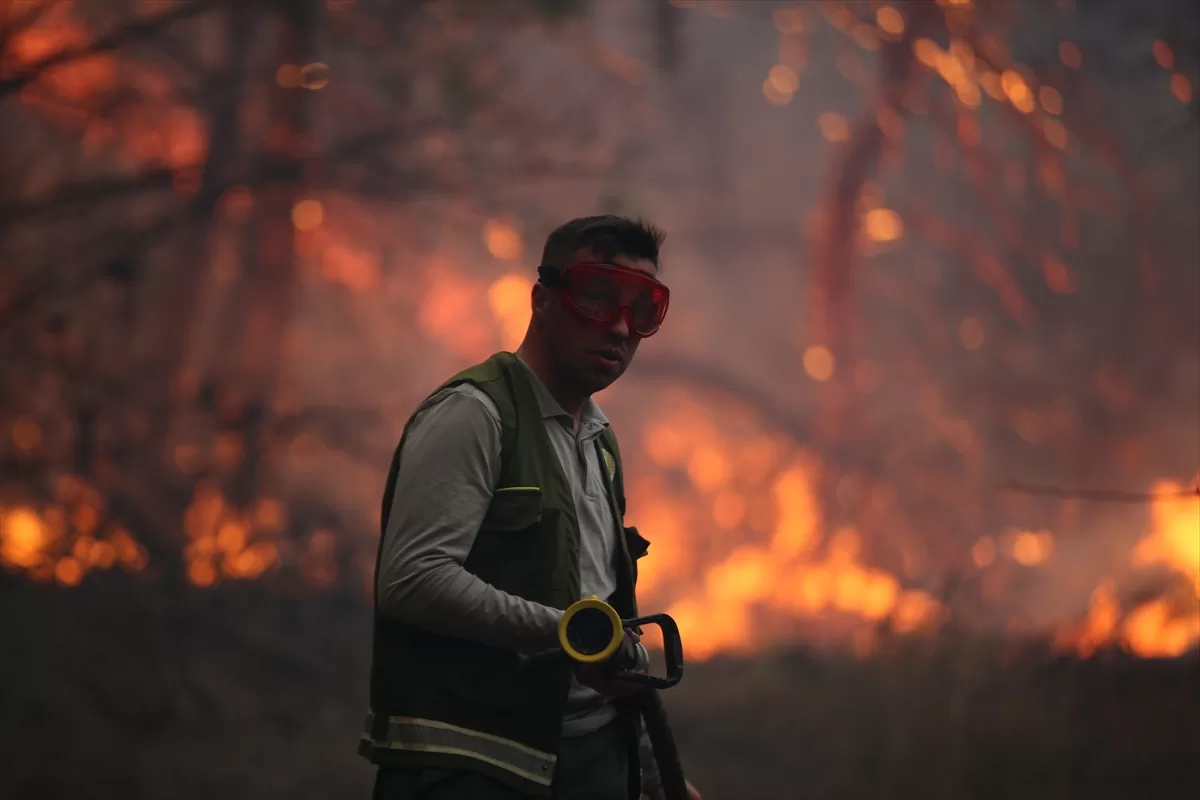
(599, 676)
(658, 794)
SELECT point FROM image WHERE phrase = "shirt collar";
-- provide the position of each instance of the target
(590, 415)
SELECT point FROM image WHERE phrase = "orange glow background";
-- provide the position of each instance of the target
(896, 290)
(917, 448)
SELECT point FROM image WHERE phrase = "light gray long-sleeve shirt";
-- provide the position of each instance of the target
(449, 469)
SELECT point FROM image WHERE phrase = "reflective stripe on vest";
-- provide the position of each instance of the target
(431, 736)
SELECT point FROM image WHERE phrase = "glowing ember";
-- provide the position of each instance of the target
(927, 52)
(1181, 87)
(834, 127)
(503, 240)
(883, 225)
(818, 363)
(1031, 549)
(1017, 91)
(1163, 54)
(307, 215)
(773, 94)
(783, 79)
(1050, 99)
(68, 571)
(23, 536)
(889, 20)
(983, 553)
(1070, 54)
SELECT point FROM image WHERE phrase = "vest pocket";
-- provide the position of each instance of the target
(515, 550)
(514, 508)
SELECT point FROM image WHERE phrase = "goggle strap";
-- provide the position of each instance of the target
(551, 277)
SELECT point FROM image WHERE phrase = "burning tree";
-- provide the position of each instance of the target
(179, 182)
(233, 269)
(1012, 318)
(931, 365)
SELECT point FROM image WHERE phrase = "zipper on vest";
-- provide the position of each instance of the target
(519, 489)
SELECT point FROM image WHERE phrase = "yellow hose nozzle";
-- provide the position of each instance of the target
(591, 632)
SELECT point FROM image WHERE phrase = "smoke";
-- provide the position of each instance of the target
(916, 253)
(1001, 322)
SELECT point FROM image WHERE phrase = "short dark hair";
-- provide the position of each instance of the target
(608, 236)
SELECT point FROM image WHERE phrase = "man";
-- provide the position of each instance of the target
(504, 505)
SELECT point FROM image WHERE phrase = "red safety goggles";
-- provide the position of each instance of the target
(601, 293)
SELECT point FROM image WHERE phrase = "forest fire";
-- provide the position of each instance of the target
(162, 132)
(793, 566)
(220, 538)
(62, 542)
(759, 536)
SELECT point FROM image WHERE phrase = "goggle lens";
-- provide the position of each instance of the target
(602, 293)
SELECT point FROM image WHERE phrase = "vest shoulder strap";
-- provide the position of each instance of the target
(495, 379)
(492, 378)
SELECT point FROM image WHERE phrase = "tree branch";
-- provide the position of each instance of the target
(71, 196)
(134, 31)
(25, 21)
(1098, 495)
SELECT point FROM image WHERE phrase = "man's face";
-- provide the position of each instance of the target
(585, 355)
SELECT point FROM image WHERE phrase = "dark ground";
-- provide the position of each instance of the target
(118, 689)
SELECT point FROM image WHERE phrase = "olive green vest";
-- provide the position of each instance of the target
(439, 701)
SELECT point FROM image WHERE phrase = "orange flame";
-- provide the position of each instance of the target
(23, 537)
(1166, 626)
(1175, 538)
(770, 548)
(159, 131)
(66, 541)
(794, 567)
(227, 543)
(74, 81)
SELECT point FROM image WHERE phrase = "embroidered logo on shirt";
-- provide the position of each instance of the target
(610, 463)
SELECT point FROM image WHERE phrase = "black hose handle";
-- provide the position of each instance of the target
(672, 651)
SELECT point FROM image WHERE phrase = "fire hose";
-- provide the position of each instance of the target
(592, 632)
